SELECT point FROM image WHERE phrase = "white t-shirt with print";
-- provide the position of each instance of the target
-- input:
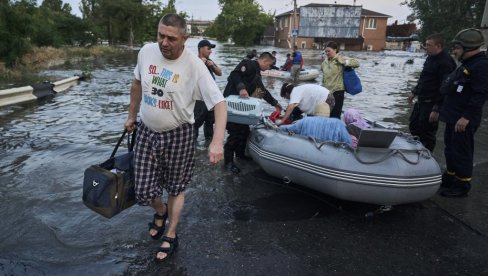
(170, 88)
(307, 96)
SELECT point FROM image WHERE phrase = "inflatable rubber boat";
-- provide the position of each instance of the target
(305, 75)
(385, 168)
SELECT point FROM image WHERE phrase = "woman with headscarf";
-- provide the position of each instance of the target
(354, 122)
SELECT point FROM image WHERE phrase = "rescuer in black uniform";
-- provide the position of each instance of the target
(463, 94)
(427, 91)
(245, 81)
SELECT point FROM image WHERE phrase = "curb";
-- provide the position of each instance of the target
(35, 92)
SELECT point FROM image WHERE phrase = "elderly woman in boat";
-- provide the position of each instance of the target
(321, 127)
(354, 123)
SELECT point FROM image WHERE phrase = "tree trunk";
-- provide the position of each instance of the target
(131, 34)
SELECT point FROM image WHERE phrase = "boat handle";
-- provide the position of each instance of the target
(259, 138)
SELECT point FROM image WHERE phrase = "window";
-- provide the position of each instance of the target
(371, 23)
(286, 22)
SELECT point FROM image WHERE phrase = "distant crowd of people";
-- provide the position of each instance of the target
(174, 93)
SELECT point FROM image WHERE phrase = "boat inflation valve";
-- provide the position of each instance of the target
(286, 180)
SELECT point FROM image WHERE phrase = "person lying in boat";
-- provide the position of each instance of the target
(320, 126)
(304, 98)
(288, 63)
(354, 124)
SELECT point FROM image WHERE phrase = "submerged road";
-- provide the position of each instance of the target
(254, 225)
(250, 224)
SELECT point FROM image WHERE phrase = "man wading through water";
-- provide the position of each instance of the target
(168, 80)
(202, 115)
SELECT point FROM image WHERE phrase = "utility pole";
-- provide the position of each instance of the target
(294, 29)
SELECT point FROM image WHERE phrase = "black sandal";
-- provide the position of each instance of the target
(159, 229)
(173, 244)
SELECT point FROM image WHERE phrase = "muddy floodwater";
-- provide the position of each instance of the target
(249, 224)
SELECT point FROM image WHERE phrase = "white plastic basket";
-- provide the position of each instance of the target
(246, 111)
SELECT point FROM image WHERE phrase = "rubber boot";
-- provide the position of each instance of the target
(447, 180)
(458, 188)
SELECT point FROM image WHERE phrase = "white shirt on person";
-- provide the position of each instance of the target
(171, 87)
(307, 96)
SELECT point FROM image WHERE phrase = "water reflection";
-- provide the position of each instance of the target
(44, 149)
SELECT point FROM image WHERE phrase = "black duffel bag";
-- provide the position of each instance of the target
(108, 188)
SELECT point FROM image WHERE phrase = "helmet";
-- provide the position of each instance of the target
(469, 38)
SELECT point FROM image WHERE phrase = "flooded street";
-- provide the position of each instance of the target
(249, 224)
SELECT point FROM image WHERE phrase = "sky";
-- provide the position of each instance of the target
(209, 9)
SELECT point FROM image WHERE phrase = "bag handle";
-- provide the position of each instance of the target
(130, 142)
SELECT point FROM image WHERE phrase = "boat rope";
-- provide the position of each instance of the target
(402, 152)
(389, 154)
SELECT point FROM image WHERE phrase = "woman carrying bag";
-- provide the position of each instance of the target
(332, 69)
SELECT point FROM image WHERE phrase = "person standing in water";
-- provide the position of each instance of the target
(167, 80)
(332, 69)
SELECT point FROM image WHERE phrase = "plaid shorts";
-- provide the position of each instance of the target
(163, 160)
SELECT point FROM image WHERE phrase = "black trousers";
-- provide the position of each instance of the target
(236, 141)
(459, 151)
(205, 118)
(420, 126)
(339, 101)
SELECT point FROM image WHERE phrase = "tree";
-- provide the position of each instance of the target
(244, 21)
(125, 20)
(446, 16)
(155, 9)
(170, 8)
(54, 25)
(54, 5)
(194, 30)
(23, 24)
(15, 28)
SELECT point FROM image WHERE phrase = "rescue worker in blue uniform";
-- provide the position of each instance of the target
(427, 91)
(463, 94)
(245, 81)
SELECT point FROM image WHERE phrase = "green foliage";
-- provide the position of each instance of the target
(446, 16)
(170, 8)
(244, 21)
(23, 24)
(15, 27)
(86, 72)
(195, 30)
